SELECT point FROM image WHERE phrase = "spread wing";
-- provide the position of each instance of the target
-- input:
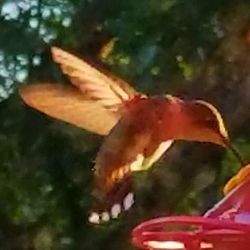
(106, 89)
(69, 105)
(93, 103)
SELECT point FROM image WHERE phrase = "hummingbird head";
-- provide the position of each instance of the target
(205, 123)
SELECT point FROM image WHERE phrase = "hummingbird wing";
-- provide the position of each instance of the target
(69, 105)
(107, 89)
(97, 104)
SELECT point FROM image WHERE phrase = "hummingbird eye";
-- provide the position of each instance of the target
(208, 116)
(211, 122)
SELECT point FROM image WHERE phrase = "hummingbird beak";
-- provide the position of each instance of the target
(234, 150)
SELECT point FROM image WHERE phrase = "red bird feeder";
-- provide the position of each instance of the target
(224, 227)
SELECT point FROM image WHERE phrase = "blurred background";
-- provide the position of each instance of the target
(192, 49)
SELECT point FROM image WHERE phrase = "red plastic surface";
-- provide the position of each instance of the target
(224, 227)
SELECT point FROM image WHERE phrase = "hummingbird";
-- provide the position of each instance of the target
(138, 128)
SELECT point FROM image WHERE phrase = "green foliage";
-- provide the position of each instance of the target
(230, 165)
(189, 48)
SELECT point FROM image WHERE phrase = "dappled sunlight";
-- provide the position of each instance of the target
(79, 61)
(43, 18)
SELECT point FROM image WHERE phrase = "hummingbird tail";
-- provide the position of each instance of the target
(109, 205)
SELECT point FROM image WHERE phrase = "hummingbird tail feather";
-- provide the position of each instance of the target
(109, 205)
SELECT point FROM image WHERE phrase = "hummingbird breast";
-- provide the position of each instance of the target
(136, 137)
(140, 130)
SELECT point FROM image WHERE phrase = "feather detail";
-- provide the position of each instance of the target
(93, 83)
(69, 105)
(116, 195)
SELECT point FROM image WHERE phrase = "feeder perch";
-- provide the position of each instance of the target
(224, 227)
